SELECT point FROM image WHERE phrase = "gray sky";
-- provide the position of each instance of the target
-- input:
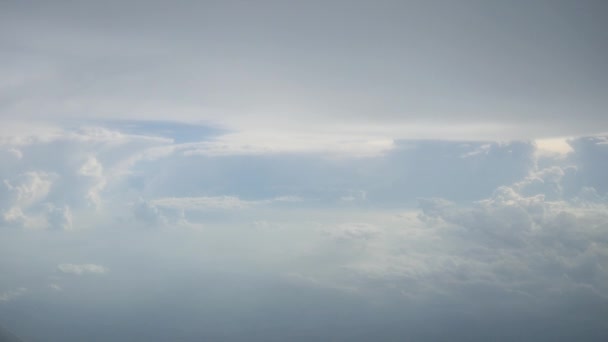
(304, 170)
(397, 69)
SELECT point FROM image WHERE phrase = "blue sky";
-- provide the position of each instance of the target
(228, 171)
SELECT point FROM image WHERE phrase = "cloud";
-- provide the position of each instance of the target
(12, 295)
(433, 165)
(29, 188)
(352, 231)
(149, 213)
(62, 174)
(59, 218)
(354, 196)
(55, 287)
(518, 244)
(498, 222)
(590, 157)
(556, 147)
(93, 169)
(263, 143)
(217, 202)
(82, 269)
(550, 182)
(530, 242)
(458, 83)
(203, 203)
(23, 195)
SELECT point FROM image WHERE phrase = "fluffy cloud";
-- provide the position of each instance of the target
(512, 247)
(29, 188)
(497, 226)
(59, 175)
(93, 169)
(23, 195)
(410, 207)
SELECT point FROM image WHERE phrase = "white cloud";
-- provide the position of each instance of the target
(481, 150)
(81, 269)
(93, 169)
(217, 202)
(203, 203)
(14, 215)
(282, 106)
(555, 147)
(547, 181)
(16, 153)
(260, 143)
(60, 174)
(29, 188)
(510, 242)
(24, 193)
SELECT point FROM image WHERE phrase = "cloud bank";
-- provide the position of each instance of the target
(302, 171)
(462, 234)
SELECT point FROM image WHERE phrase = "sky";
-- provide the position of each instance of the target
(297, 171)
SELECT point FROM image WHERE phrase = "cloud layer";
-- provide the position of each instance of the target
(304, 171)
(460, 234)
(360, 76)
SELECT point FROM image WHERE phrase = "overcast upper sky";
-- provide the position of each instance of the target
(400, 69)
(304, 170)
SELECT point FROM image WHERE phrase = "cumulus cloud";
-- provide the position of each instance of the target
(64, 172)
(513, 245)
(93, 169)
(24, 193)
(555, 147)
(393, 142)
(29, 188)
(82, 269)
(497, 220)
